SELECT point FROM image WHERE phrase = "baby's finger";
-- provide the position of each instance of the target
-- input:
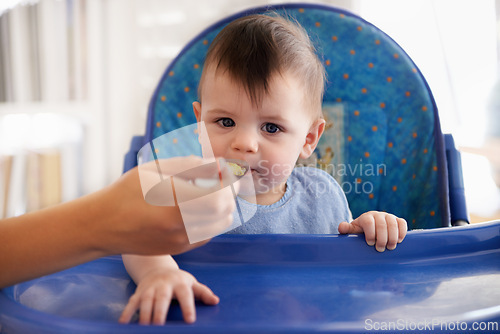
(392, 232)
(129, 310)
(205, 294)
(403, 228)
(146, 309)
(367, 225)
(346, 228)
(381, 231)
(162, 304)
(185, 297)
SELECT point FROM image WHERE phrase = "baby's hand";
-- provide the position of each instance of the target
(381, 229)
(158, 288)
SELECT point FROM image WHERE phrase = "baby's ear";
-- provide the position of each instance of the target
(197, 110)
(312, 138)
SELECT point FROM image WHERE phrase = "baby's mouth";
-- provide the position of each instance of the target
(254, 171)
(238, 167)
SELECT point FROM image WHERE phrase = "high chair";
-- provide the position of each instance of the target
(383, 141)
(384, 146)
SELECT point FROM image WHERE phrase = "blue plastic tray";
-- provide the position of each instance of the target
(441, 280)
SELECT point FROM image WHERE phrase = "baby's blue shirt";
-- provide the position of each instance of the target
(313, 203)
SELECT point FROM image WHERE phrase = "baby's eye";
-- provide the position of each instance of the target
(226, 122)
(271, 128)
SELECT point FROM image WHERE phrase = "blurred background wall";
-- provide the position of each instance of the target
(76, 77)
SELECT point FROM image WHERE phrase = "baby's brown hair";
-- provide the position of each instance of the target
(254, 48)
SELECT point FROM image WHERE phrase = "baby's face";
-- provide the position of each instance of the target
(269, 138)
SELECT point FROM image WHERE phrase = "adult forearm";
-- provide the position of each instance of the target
(49, 240)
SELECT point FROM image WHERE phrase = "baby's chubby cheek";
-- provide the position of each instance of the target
(274, 171)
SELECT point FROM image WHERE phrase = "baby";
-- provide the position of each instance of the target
(260, 98)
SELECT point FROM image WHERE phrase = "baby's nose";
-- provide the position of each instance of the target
(245, 141)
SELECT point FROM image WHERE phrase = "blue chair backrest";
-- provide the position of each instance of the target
(383, 141)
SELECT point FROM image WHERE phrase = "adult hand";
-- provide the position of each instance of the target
(155, 229)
